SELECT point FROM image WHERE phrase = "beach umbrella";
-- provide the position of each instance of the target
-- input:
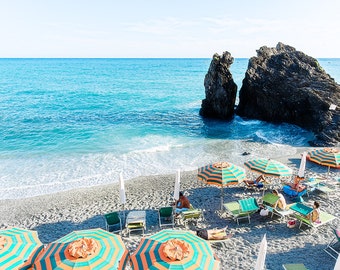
(261, 257)
(221, 174)
(86, 249)
(301, 172)
(122, 189)
(177, 185)
(16, 246)
(329, 157)
(268, 167)
(174, 249)
(122, 195)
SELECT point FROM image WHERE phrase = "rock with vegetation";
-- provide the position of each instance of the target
(282, 84)
(220, 89)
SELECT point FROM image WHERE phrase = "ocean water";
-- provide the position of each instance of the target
(71, 123)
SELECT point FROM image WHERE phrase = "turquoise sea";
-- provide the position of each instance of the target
(70, 123)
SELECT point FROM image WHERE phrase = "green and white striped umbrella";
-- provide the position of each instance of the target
(221, 174)
(329, 157)
(188, 251)
(268, 167)
(86, 249)
(16, 246)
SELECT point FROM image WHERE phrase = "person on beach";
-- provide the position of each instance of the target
(182, 204)
(281, 202)
(258, 182)
(213, 234)
(296, 185)
(315, 214)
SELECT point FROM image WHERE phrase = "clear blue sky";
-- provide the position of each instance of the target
(171, 28)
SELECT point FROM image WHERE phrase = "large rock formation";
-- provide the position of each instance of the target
(220, 88)
(285, 85)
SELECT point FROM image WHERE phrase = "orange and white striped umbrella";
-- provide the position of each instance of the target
(174, 249)
(16, 246)
(329, 157)
(86, 249)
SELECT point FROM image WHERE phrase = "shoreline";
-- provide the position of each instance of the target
(58, 214)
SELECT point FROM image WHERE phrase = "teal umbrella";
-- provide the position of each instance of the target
(174, 249)
(16, 246)
(86, 249)
(268, 167)
(221, 174)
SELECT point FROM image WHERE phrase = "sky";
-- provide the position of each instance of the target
(166, 28)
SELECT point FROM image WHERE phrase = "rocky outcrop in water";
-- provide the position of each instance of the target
(220, 88)
(285, 85)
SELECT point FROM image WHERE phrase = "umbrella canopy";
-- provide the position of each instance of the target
(87, 249)
(16, 246)
(221, 174)
(329, 157)
(268, 167)
(174, 249)
(261, 257)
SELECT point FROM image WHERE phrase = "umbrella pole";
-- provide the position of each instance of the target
(222, 198)
(123, 210)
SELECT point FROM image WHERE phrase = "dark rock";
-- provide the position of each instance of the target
(220, 88)
(285, 85)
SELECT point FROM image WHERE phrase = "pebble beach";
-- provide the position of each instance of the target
(56, 215)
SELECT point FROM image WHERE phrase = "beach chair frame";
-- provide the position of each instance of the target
(113, 220)
(166, 216)
(330, 248)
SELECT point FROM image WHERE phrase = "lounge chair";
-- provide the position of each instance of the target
(136, 221)
(324, 218)
(242, 209)
(191, 215)
(257, 184)
(166, 216)
(269, 200)
(112, 220)
(331, 247)
(294, 266)
(324, 188)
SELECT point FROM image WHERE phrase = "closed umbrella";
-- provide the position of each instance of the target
(122, 195)
(329, 157)
(301, 172)
(177, 185)
(261, 257)
(86, 249)
(174, 249)
(221, 174)
(16, 246)
(268, 167)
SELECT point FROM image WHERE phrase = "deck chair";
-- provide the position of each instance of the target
(333, 248)
(242, 209)
(166, 216)
(324, 188)
(294, 266)
(113, 220)
(255, 185)
(191, 215)
(324, 219)
(269, 200)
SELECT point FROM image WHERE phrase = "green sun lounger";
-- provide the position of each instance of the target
(242, 209)
(191, 215)
(324, 219)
